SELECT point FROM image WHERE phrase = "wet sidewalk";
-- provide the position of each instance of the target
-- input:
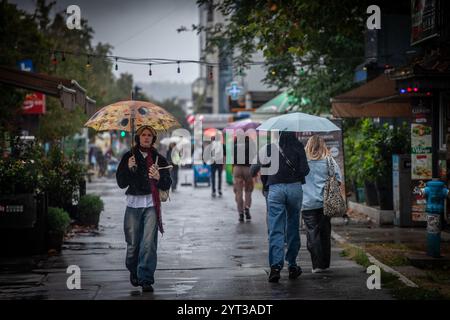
(204, 254)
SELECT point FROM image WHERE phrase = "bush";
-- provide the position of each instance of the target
(62, 178)
(89, 208)
(57, 220)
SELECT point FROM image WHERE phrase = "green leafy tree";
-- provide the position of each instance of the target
(310, 46)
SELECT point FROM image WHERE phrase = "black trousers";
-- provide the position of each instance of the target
(174, 176)
(318, 235)
(216, 168)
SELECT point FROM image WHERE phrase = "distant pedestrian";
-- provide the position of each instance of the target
(217, 162)
(318, 226)
(242, 179)
(284, 204)
(173, 158)
(139, 172)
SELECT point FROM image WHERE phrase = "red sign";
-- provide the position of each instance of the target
(34, 103)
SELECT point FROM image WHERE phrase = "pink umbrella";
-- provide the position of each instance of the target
(244, 124)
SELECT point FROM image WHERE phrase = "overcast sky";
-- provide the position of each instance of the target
(142, 28)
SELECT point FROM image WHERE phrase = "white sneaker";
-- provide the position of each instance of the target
(318, 270)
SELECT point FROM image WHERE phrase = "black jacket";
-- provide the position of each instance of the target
(295, 152)
(138, 182)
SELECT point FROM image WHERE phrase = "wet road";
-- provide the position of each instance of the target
(204, 254)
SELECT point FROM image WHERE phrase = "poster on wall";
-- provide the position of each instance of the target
(421, 155)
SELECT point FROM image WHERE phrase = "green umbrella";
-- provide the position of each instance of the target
(298, 122)
(282, 103)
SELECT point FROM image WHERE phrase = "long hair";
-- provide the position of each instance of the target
(316, 149)
(139, 132)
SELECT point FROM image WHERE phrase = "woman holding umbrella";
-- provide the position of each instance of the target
(141, 171)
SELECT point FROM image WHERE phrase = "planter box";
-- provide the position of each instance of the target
(22, 224)
(18, 211)
(380, 217)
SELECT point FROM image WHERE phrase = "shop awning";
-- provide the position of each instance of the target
(69, 92)
(377, 98)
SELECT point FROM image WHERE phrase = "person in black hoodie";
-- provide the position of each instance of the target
(142, 171)
(284, 201)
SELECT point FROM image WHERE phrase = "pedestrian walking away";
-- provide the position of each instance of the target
(242, 178)
(139, 172)
(284, 204)
(318, 225)
(217, 162)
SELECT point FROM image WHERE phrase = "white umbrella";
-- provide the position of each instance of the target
(298, 122)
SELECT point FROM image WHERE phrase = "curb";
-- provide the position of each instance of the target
(373, 260)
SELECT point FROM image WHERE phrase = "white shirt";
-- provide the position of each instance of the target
(144, 201)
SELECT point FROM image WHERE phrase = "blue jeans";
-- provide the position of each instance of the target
(141, 235)
(284, 205)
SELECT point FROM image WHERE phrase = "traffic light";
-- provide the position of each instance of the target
(123, 134)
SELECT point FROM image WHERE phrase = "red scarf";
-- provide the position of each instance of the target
(154, 188)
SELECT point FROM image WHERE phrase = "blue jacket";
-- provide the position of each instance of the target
(315, 182)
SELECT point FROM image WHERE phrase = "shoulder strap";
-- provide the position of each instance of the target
(330, 167)
(289, 163)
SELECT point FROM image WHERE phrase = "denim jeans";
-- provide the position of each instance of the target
(141, 235)
(284, 205)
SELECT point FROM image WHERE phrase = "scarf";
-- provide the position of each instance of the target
(153, 187)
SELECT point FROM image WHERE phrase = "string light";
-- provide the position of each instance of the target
(178, 68)
(150, 69)
(117, 67)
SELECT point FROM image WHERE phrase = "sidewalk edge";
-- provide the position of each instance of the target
(373, 260)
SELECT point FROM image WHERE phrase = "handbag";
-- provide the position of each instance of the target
(333, 202)
(163, 194)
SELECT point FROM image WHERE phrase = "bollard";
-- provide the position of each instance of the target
(435, 192)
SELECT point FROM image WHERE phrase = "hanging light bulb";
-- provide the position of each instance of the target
(53, 58)
(88, 63)
(178, 68)
(150, 69)
(210, 72)
(63, 58)
(117, 67)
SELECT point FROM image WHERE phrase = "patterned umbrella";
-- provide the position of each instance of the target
(130, 115)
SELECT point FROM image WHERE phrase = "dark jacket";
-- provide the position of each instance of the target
(295, 152)
(138, 182)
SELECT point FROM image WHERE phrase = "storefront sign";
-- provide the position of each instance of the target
(34, 103)
(423, 20)
(421, 155)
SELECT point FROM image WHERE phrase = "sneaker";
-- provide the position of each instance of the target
(147, 287)
(220, 193)
(247, 214)
(134, 279)
(295, 272)
(213, 194)
(274, 275)
(318, 270)
(241, 217)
